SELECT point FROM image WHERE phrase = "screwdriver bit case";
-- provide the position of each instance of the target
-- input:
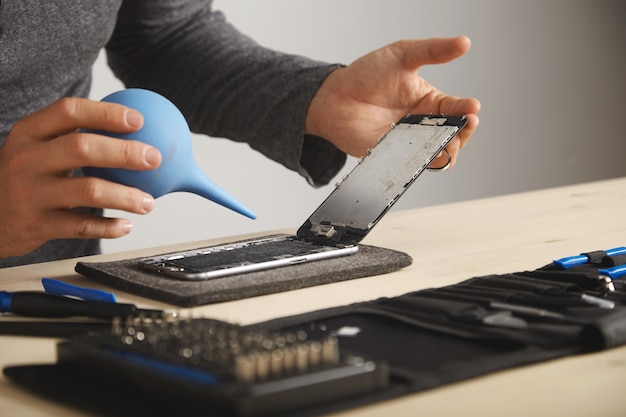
(385, 348)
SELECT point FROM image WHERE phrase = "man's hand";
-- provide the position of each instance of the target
(37, 192)
(356, 104)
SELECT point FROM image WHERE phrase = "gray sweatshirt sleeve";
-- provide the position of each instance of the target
(225, 84)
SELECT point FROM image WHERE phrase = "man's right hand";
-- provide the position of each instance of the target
(37, 192)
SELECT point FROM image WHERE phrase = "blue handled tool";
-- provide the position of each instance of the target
(613, 272)
(572, 261)
(56, 287)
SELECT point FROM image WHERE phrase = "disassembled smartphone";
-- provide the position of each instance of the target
(347, 215)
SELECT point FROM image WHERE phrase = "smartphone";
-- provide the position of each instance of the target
(346, 216)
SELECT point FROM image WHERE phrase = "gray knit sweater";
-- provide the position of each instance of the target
(225, 84)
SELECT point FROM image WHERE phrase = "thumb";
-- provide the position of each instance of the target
(416, 53)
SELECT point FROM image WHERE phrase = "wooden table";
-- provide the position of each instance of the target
(448, 243)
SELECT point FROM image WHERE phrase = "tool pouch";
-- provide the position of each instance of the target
(386, 348)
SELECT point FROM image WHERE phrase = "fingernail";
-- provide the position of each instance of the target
(127, 227)
(152, 157)
(148, 203)
(134, 119)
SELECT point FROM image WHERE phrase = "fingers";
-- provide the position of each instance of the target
(468, 107)
(457, 105)
(440, 103)
(94, 192)
(76, 150)
(437, 51)
(69, 114)
(72, 225)
(416, 53)
(36, 214)
(468, 130)
(40, 212)
(447, 159)
(64, 147)
(34, 158)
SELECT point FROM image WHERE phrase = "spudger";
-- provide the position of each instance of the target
(39, 304)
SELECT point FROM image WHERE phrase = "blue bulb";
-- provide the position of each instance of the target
(166, 129)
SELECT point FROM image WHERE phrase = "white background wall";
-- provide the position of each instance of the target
(549, 74)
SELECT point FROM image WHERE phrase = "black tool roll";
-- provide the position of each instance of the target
(342, 357)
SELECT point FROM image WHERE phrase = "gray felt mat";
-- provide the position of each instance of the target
(126, 275)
